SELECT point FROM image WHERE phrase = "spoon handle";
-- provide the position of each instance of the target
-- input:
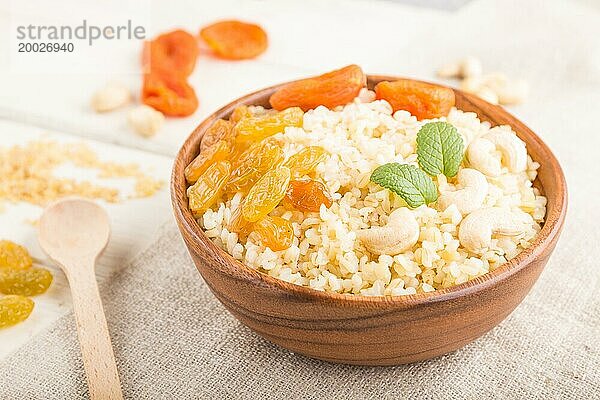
(94, 339)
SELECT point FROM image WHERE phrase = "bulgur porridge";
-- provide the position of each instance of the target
(361, 197)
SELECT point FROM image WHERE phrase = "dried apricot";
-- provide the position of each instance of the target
(14, 256)
(239, 113)
(260, 127)
(332, 89)
(25, 282)
(171, 53)
(307, 195)
(275, 232)
(207, 189)
(306, 160)
(235, 40)
(252, 164)
(14, 309)
(219, 130)
(423, 100)
(266, 194)
(169, 94)
(217, 152)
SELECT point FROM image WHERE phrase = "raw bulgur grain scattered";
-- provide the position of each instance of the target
(27, 174)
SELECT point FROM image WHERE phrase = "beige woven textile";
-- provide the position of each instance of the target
(174, 340)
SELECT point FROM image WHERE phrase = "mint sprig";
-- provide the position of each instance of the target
(440, 149)
(409, 182)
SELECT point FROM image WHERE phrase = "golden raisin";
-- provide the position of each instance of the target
(219, 130)
(306, 160)
(207, 188)
(266, 194)
(238, 224)
(423, 100)
(252, 164)
(308, 195)
(239, 113)
(217, 152)
(14, 309)
(235, 40)
(257, 128)
(275, 232)
(332, 89)
(14, 256)
(24, 282)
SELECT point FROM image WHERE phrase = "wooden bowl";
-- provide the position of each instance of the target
(373, 330)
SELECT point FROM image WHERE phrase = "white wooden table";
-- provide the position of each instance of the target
(306, 37)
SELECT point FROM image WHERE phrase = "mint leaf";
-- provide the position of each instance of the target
(440, 149)
(407, 181)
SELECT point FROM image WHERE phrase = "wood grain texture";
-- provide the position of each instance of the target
(373, 330)
(74, 232)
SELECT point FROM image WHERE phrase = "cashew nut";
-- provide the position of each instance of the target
(509, 91)
(512, 149)
(470, 197)
(451, 70)
(110, 97)
(476, 230)
(514, 153)
(398, 235)
(469, 67)
(472, 84)
(145, 120)
(481, 157)
(487, 94)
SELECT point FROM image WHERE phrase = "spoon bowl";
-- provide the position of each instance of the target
(74, 228)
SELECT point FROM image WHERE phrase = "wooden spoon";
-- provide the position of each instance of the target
(73, 232)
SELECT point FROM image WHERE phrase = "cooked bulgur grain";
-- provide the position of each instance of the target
(326, 254)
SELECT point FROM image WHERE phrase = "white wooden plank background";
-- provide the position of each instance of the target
(290, 25)
(134, 224)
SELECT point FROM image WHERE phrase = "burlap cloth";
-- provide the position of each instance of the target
(173, 339)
